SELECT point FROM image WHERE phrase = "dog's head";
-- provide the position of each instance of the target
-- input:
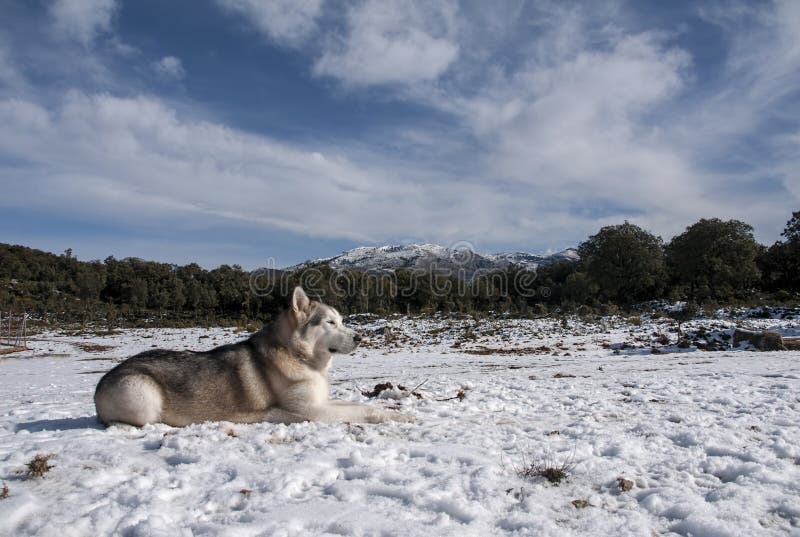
(319, 327)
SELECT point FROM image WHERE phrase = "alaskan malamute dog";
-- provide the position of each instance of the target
(279, 374)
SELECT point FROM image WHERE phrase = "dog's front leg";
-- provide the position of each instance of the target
(336, 412)
(342, 411)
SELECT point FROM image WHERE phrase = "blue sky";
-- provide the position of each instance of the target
(235, 131)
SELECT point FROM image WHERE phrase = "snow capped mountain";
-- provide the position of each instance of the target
(433, 257)
(532, 260)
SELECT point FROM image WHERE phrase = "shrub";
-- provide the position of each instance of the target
(608, 309)
(539, 310)
(554, 472)
(38, 466)
(635, 320)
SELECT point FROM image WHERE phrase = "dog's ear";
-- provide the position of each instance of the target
(300, 301)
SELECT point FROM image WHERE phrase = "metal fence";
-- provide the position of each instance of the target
(14, 330)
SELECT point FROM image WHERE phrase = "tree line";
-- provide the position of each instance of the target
(711, 262)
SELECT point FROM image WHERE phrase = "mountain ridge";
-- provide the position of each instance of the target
(424, 257)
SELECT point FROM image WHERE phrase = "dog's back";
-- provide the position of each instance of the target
(178, 388)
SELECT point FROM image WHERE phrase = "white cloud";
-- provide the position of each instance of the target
(136, 159)
(572, 127)
(576, 127)
(595, 119)
(10, 77)
(170, 67)
(741, 119)
(82, 20)
(584, 124)
(288, 22)
(401, 42)
(760, 75)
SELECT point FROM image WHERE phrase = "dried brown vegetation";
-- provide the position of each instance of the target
(624, 484)
(486, 351)
(39, 465)
(554, 472)
(93, 347)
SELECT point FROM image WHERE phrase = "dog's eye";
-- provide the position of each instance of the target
(333, 323)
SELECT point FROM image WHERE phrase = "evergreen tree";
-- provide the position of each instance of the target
(780, 263)
(714, 260)
(792, 230)
(625, 263)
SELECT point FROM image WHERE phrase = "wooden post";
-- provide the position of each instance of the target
(22, 330)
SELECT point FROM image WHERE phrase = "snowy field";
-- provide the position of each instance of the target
(707, 443)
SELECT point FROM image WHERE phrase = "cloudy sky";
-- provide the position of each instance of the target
(232, 131)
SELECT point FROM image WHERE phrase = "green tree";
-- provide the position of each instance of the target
(792, 230)
(579, 289)
(780, 263)
(714, 260)
(625, 262)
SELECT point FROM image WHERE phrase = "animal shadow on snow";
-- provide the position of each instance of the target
(63, 424)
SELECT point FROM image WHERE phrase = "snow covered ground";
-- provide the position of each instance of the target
(709, 440)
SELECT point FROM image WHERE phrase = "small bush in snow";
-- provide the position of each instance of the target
(39, 465)
(662, 339)
(554, 472)
(635, 320)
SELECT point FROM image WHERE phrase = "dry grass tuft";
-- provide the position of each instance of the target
(93, 347)
(554, 475)
(551, 470)
(515, 351)
(4, 492)
(39, 465)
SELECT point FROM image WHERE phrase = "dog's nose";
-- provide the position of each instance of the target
(357, 338)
